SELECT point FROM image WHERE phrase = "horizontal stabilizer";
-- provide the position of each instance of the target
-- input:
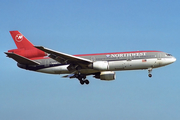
(21, 60)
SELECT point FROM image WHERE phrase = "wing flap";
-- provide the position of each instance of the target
(63, 57)
(21, 59)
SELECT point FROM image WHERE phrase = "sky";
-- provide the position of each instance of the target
(91, 26)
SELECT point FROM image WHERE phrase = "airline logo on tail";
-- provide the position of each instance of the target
(19, 37)
(24, 47)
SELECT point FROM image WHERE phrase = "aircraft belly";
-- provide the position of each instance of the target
(139, 64)
(113, 65)
(55, 70)
(116, 65)
(63, 70)
(88, 71)
(133, 64)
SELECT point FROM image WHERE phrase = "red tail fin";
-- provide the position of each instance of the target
(24, 47)
(20, 40)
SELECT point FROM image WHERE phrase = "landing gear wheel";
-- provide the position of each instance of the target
(82, 82)
(81, 78)
(86, 81)
(149, 71)
(150, 75)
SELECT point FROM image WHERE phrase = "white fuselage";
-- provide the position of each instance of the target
(115, 66)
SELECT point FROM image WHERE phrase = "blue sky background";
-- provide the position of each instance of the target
(91, 26)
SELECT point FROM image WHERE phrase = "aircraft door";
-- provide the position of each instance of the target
(158, 56)
(158, 61)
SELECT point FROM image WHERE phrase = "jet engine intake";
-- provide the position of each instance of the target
(106, 75)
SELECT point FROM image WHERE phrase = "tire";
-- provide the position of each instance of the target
(150, 75)
(86, 81)
(81, 82)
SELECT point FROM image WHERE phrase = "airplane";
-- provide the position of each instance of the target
(102, 65)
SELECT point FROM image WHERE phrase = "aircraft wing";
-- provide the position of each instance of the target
(21, 59)
(65, 58)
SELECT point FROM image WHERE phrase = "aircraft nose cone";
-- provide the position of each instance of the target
(169, 60)
(173, 59)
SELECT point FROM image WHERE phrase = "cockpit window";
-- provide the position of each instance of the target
(168, 54)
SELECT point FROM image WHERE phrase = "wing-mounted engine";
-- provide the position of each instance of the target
(106, 75)
(99, 65)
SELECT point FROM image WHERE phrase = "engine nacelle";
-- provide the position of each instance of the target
(106, 75)
(100, 65)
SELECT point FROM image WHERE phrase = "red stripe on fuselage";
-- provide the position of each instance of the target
(39, 58)
(114, 53)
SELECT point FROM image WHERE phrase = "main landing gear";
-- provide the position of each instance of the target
(149, 71)
(82, 79)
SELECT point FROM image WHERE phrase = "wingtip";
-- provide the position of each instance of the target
(7, 53)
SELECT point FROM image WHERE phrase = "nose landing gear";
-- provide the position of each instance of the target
(150, 75)
(149, 71)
